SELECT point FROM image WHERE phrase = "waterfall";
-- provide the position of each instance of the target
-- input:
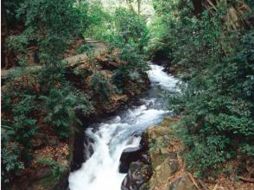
(100, 171)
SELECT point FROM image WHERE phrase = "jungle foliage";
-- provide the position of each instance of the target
(48, 26)
(209, 43)
(125, 30)
(43, 101)
(213, 47)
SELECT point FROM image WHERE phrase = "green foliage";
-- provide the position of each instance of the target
(123, 29)
(97, 15)
(10, 8)
(161, 29)
(56, 168)
(133, 69)
(22, 108)
(10, 158)
(33, 98)
(100, 23)
(60, 107)
(101, 86)
(85, 48)
(18, 43)
(52, 75)
(22, 122)
(217, 103)
(120, 28)
(49, 25)
(131, 27)
(18, 128)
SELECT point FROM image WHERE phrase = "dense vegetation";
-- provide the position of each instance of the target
(211, 45)
(44, 101)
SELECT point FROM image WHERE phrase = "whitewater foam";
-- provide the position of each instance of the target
(100, 171)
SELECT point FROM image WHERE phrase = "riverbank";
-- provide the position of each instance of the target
(164, 167)
(52, 158)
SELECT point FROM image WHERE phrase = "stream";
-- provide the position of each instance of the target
(120, 132)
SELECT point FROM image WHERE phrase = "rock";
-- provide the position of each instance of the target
(182, 183)
(163, 172)
(134, 154)
(172, 155)
(138, 174)
(107, 63)
(81, 153)
(115, 102)
(146, 159)
(158, 132)
(157, 158)
(129, 155)
(163, 150)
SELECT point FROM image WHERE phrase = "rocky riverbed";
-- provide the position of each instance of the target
(163, 168)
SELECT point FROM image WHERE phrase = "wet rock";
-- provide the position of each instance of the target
(146, 159)
(130, 155)
(81, 153)
(138, 174)
(183, 183)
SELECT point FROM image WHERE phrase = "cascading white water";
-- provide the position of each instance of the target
(100, 171)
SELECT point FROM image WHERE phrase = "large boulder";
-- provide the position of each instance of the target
(129, 155)
(138, 175)
(134, 154)
(81, 153)
(163, 172)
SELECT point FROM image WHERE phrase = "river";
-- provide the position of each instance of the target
(122, 131)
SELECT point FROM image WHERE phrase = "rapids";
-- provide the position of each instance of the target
(123, 131)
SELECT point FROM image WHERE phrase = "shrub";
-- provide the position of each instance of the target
(101, 86)
(60, 107)
(11, 156)
(133, 68)
(18, 128)
(131, 27)
(217, 103)
(56, 168)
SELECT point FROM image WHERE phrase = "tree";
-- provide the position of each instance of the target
(48, 25)
(212, 45)
(139, 2)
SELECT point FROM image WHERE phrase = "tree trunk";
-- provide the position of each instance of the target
(4, 35)
(198, 8)
(139, 6)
